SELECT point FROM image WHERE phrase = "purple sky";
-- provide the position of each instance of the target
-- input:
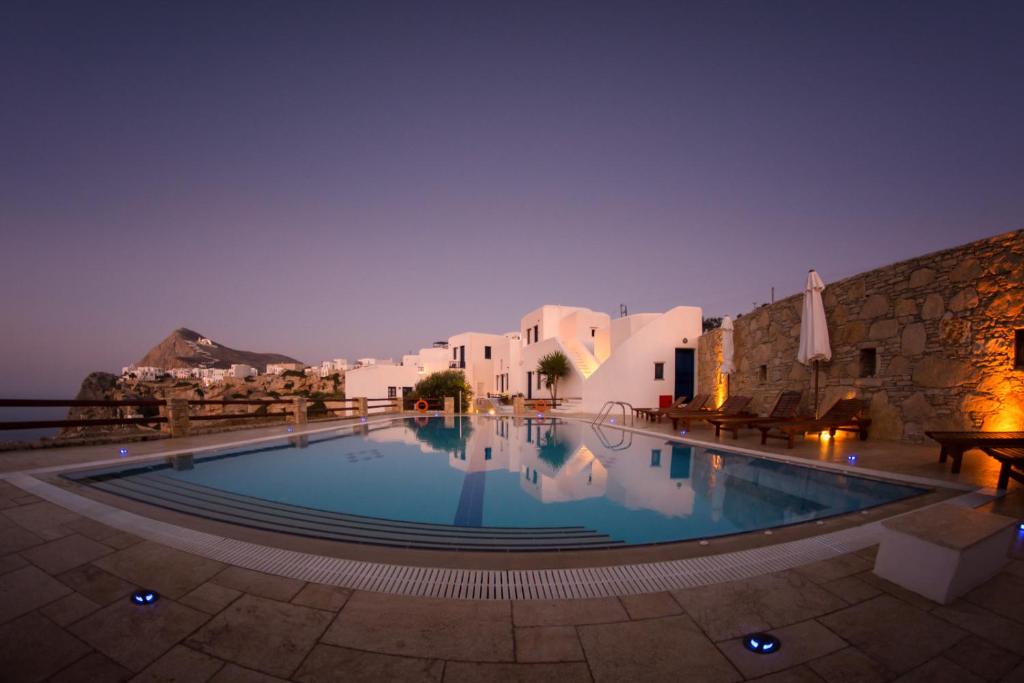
(342, 179)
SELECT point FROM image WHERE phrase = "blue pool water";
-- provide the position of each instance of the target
(475, 474)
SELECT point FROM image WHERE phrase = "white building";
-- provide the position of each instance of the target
(280, 368)
(384, 379)
(144, 373)
(476, 353)
(241, 370)
(333, 366)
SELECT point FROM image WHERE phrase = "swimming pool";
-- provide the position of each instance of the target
(495, 483)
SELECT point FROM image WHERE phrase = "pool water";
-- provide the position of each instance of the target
(477, 477)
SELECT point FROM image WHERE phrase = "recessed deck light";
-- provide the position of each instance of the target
(852, 459)
(761, 643)
(123, 452)
(290, 430)
(145, 597)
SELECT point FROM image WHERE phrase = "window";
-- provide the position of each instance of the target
(1018, 350)
(593, 331)
(868, 362)
(391, 392)
(536, 329)
(527, 335)
(487, 353)
(538, 380)
(762, 374)
(659, 371)
(455, 353)
(406, 390)
(656, 457)
(487, 454)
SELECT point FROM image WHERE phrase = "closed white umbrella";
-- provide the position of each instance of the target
(814, 346)
(728, 366)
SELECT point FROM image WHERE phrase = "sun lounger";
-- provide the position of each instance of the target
(955, 444)
(645, 412)
(1011, 464)
(696, 403)
(734, 405)
(845, 416)
(786, 407)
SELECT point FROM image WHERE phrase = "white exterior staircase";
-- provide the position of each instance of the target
(580, 357)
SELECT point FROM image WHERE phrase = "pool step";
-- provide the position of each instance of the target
(174, 494)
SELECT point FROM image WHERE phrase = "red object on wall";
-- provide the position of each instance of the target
(665, 400)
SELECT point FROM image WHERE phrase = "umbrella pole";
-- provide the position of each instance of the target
(816, 390)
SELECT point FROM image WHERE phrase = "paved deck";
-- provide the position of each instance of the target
(65, 613)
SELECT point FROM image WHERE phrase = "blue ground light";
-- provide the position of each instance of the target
(145, 597)
(123, 452)
(761, 643)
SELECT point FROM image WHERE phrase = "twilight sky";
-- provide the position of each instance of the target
(347, 179)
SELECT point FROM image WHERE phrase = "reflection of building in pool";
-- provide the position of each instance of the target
(752, 485)
(662, 482)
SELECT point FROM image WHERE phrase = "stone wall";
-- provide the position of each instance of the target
(942, 330)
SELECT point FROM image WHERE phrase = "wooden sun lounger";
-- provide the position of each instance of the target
(955, 444)
(734, 405)
(845, 416)
(696, 403)
(645, 412)
(786, 407)
(1011, 461)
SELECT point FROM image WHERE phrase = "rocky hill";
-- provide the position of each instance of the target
(183, 349)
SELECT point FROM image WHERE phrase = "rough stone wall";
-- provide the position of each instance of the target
(942, 326)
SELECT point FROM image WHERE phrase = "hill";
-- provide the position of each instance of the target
(185, 348)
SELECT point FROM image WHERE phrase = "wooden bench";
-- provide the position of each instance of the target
(1010, 460)
(945, 550)
(955, 444)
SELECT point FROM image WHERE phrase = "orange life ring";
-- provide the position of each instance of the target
(422, 406)
(541, 406)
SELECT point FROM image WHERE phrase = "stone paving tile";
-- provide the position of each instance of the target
(835, 568)
(258, 583)
(850, 666)
(26, 499)
(43, 519)
(69, 609)
(1015, 568)
(650, 605)
(8, 563)
(33, 648)
(90, 528)
(851, 589)
(318, 595)
(799, 643)
(98, 585)
(668, 649)
(15, 538)
(232, 673)
(1004, 595)
(474, 672)
(1015, 676)
(122, 540)
(210, 598)
(93, 668)
(65, 553)
(180, 664)
(982, 658)
(997, 629)
(894, 633)
(262, 634)
(548, 644)
(899, 592)
(171, 572)
(26, 589)
(939, 670)
(567, 612)
(133, 635)
(328, 663)
(799, 674)
(728, 610)
(425, 627)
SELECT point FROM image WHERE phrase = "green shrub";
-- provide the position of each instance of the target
(443, 384)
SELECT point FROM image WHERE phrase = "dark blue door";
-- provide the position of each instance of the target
(684, 373)
(529, 384)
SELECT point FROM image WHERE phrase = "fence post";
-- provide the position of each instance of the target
(177, 417)
(449, 405)
(518, 405)
(299, 414)
(361, 406)
(399, 399)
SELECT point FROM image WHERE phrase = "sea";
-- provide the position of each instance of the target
(26, 415)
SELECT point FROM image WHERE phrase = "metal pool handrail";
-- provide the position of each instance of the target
(606, 409)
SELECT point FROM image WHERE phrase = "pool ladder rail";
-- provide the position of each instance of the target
(609, 406)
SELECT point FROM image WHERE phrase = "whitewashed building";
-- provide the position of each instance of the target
(280, 368)
(241, 371)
